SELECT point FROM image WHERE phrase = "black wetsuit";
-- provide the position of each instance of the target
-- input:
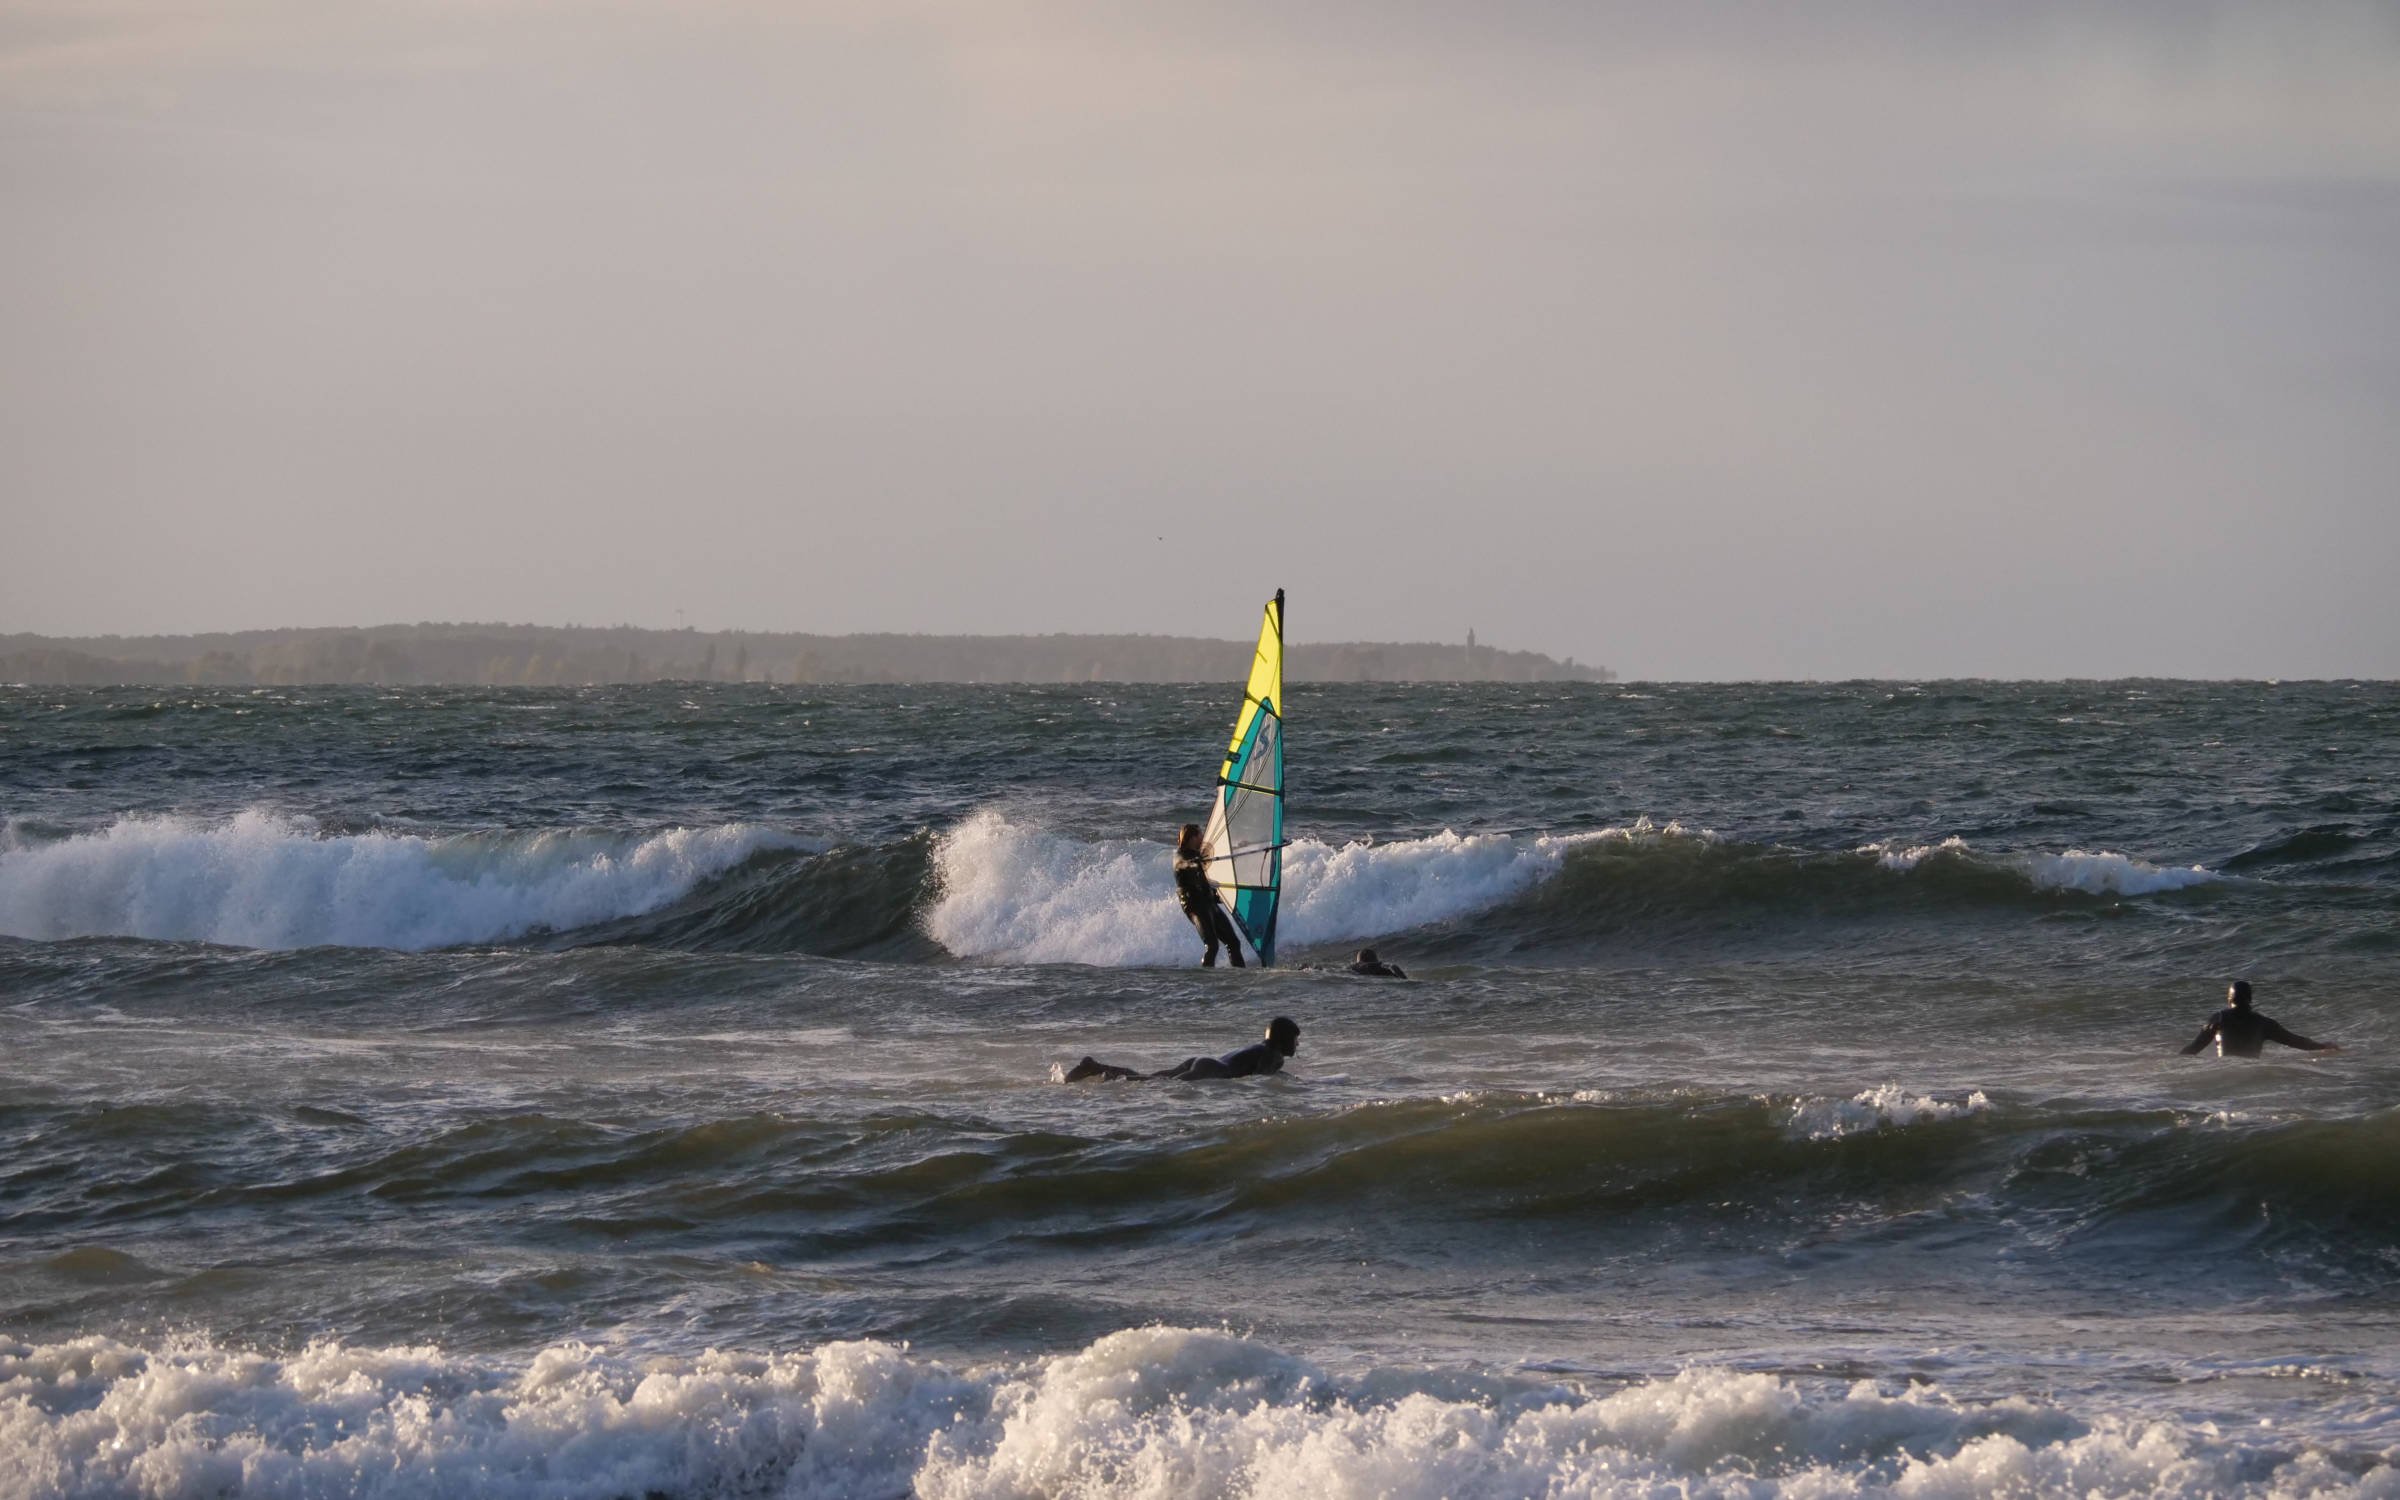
(2240, 1032)
(1378, 970)
(1258, 1057)
(1207, 913)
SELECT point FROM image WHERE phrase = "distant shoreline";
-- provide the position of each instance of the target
(495, 655)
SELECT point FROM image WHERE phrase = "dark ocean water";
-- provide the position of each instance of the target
(647, 1090)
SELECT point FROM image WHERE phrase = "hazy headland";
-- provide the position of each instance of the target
(481, 655)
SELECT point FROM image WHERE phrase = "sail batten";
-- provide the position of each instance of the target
(1244, 842)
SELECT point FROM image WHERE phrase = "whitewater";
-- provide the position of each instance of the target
(646, 1091)
(1000, 889)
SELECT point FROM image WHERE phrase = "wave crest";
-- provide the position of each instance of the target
(2099, 872)
(988, 888)
(1007, 890)
(264, 880)
(1021, 893)
(1887, 1105)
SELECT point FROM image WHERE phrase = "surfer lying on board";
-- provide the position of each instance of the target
(1283, 1039)
(2240, 1031)
(1199, 897)
(1367, 963)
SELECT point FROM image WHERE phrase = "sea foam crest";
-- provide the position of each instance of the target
(1145, 1412)
(1895, 855)
(2101, 872)
(1032, 896)
(2095, 872)
(1887, 1105)
(265, 880)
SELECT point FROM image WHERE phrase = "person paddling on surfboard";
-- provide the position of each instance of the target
(1283, 1039)
(2240, 1031)
(1375, 968)
(1200, 902)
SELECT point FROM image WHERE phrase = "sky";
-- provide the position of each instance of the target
(1706, 340)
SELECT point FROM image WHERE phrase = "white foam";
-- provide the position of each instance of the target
(1885, 1106)
(1030, 896)
(1895, 855)
(1153, 1412)
(2102, 872)
(263, 880)
(2096, 872)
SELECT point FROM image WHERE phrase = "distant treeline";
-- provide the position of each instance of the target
(573, 656)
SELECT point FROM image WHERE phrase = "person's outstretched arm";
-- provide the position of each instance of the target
(2207, 1034)
(2276, 1033)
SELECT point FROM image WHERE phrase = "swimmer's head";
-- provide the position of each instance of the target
(2239, 993)
(1189, 841)
(1283, 1034)
(1367, 956)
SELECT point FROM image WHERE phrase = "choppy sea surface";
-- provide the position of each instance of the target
(648, 1091)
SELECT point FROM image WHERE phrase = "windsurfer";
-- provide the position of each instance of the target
(1283, 1039)
(1199, 898)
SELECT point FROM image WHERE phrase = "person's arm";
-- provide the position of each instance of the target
(2207, 1034)
(1198, 891)
(1398, 972)
(2277, 1033)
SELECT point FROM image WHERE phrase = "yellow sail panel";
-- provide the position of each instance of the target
(1265, 691)
(1245, 826)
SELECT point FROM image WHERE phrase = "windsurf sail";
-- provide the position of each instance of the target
(1244, 843)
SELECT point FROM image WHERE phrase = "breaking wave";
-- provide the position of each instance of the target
(262, 880)
(1025, 894)
(988, 888)
(1144, 1412)
(1885, 1106)
(2095, 873)
(1011, 891)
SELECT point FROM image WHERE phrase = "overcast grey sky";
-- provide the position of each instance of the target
(1701, 340)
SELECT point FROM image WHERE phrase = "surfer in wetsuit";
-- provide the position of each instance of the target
(1199, 897)
(2240, 1031)
(1283, 1039)
(1367, 963)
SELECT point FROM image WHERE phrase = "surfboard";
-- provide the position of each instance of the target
(1244, 842)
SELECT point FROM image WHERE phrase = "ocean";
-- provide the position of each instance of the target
(648, 1091)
